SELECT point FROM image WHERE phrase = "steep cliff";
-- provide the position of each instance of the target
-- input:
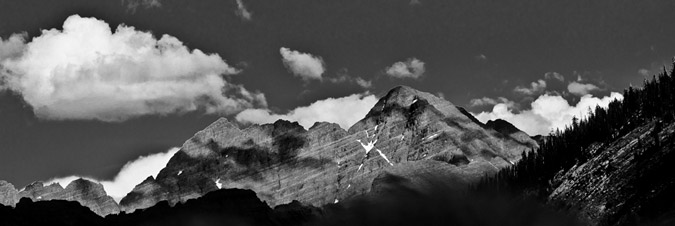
(407, 131)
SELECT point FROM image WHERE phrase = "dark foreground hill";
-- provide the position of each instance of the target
(397, 203)
(616, 167)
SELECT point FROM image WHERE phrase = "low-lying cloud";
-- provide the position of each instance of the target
(345, 111)
(303, 65)
(547, 113)
(131, 174)
(88, 71)
(411, 68)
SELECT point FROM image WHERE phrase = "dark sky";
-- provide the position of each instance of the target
(471, 49)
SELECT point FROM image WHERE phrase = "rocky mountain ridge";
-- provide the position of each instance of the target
(407, 134)
(407, 131)
(88, 193)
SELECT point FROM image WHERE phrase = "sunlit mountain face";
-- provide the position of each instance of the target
(341, 113)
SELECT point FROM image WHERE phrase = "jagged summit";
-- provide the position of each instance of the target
(88, 193)
(405, 96)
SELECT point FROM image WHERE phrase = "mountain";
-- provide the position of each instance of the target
(89, 194)
(614, 167)
(407, 134)
(627, 179)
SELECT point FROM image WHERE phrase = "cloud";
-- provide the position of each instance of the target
(242, 12)
(482, 102)
(131, 174)
(132, 5)
(486, 101)
(535, 88)
(547, 112)
(304, 65)
(480, 57)
(580, 88)
(415, 2)
(343, 76)
(643, 72)
(412, 68)
(87, 71)
(345, 111)
(554, 75)
(13, 47)
(364, 83)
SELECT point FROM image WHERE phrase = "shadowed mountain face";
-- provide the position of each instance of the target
(628, 180)
(87, 193)
(407, 134)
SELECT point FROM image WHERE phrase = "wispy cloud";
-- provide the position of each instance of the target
(535, 88)
(132, 5)
(411, 68)
(581, 89)
(554, 75)
(242, 11)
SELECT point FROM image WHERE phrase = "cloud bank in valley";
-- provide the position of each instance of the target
(131, 174)
(88, 71)
(547, 113)
(345, 111)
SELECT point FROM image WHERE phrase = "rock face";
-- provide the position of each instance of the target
(87, 193)
(8, 194)
(405, 133)
(627, 179)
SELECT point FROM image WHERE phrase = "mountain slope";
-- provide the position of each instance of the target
(627, 178)
(406, 132)
(89, 194)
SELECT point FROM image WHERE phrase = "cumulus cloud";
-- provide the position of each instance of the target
(132, 5)
(12, 47)
(411, 68)
(345, 111)
(88, 71)
(547, 112)
(242, 12)
(554, 75)
(303, 65)
(131, 174)
(535, 88)
(581, 88)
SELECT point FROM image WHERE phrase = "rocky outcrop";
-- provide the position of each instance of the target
(626, 180)
(8, 194)
(87, 193)
(405, 133)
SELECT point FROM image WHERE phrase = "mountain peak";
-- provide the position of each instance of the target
(405, 96)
